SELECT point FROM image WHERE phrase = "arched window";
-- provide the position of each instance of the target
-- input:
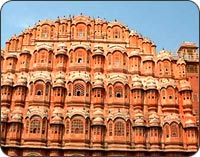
(35, 126)
(170, 92)
(27, 125)
(110, 129)
(47, 90)
(163, 94)
(110, 91)
(119, 129)
(118, 92)
(78, 90)
(127, 128)
(70, 90)
(117, 60)
(174, 130)
(67, 127)
(109, 59)
(45, 33)
(72, 33)
(80, 33)
(167, 130)
(77, 126)
(39, 89)
(116, 34)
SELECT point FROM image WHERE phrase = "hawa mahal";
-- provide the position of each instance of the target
(80, 86)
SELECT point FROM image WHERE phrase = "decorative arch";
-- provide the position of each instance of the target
(79, 89)
(119, 127)
(77, 125)
(39, 87)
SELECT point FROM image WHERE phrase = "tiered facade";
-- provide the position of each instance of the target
(85, 86)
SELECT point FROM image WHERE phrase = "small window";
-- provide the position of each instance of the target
(39, 93)
(118, 95)
(78, 93)
(80, 60)
(170, 97)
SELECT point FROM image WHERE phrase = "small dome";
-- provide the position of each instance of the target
(147, 40)
(59, 83)
(22, 81)
(137, 84)
(98, 121)
(16, 115)
(151, 84)
(133, 32)
(98, 84)
(25, 51)
(154, 120)
(56, 120)
(11, 56)
(134, 53)
(61, 52)
(63, 20)
(180, 61)
(190, 123)
(4, 114)
(148, 58)
(185, 85)
(7, 82)
(62, 45)
(139, 119)
(98, 113)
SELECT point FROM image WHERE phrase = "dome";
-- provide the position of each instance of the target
(147, 40)
(56, 120)
(98, 113)
(22, 81)
(98, 52)
(134, 53)
(151, 84)
(59, 83)
(98, 84)
(154, 120)
(190, 123)
(133, 32)
(61, 52)
(98, 121)
(16, 115)
(4, 114)
(137, 84)
(184, 85)
(12, 56)
(25, 51)
(139, 119)
(7, 82)
(63, 20)
(62, 46)
(163, 54)
(148, 58)
(180, 61)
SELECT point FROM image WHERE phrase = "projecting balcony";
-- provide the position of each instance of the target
(78, 100)
(5, 98)
(10, 69)
(98, 100)
(118, 102)
(24, 67)
(79, 67)
(42, 67)
(61, 67)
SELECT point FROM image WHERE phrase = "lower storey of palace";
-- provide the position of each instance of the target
(47, 151)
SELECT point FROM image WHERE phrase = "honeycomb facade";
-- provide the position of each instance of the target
(85, 86)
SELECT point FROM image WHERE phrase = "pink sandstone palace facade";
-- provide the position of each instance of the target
(88, 87)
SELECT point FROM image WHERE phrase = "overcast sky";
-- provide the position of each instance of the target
(167, 23)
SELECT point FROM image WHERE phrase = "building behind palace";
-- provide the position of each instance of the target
(85, 86)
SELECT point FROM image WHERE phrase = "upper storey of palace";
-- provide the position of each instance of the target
(77, 30)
